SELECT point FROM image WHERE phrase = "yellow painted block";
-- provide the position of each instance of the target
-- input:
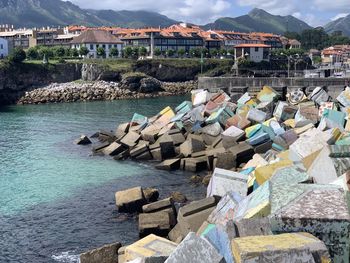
(264, 173)
(252, 103)
(149, 246)
(245, 248)
(308, 160)
(303, 129)
(283, 155)
(243, 110)
(290, 123)
(261, 210)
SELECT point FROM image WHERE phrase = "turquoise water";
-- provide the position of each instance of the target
(44, 174)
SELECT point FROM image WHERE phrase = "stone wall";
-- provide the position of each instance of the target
(227, 82)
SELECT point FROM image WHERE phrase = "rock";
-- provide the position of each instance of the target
(178, 197)
(83, 140)
(113, 149)
(192, 216)
(294, 247)
(130, 200)
(105, 254)
(195, 179)
(152, 249)
(158, 206)
(158, 223)
(121, 255)
(169, 165)
(224, 181)
(151, 194)
(149, 85)
(195, 249)
(206, 179)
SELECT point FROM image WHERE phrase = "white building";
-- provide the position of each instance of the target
(4, 48)
(93, 39)
(253, 52)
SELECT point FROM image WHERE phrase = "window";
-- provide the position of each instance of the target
(104, 46)
(115, 46)
(91, 46)
(1, 46)
(256, 49)
(110, 46)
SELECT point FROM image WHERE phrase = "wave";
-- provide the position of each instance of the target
(66, 257)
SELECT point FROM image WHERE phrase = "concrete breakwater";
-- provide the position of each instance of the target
(278, 186)
(103, 90)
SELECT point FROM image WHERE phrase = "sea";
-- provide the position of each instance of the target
(56, 198)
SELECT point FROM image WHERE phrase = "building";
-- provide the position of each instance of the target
(176, 37)
(293, 43)
(17, 38)
(4, 48)
(93, 39)
(45, 37)
(253, 52)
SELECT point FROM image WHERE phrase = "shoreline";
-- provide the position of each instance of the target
(82, 91)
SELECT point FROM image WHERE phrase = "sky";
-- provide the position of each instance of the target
(314, 12)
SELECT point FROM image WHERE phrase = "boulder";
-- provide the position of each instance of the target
(151, 194)
(192, 216)
(293, 247)
(224, 181)
(169, 165)
(149, 85)
(113, 149)
(152, 249)
(158, 223)
(195, 249)
(130, 200)
(83, 140)
(105, 254)
(178, 197)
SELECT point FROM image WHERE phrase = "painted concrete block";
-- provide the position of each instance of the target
(294, 247)
(224, 181)
(152, 249)
(195, 249)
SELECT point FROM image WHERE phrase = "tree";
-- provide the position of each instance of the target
(170, 52)
(127, 52)
(48, 52)
(17, 55)
(114, 52)
(59, 52)
(68, 52)
(292, 35)
(222, 52)
(32, 53)
(317, 59)
(143, 51)
(314, 38)
(135, 52)
(214, 52)
(181, 52)
(157, 52)
(74, 52)
(101, 52)
(83, 51)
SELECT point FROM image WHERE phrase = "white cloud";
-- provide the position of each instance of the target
(276, 7)
(187, 10)
(341, 15)
(334, 5)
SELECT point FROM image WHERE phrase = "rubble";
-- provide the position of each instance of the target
(278, 176)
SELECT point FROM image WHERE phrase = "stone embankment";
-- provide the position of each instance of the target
(278, 189)
(103, 90)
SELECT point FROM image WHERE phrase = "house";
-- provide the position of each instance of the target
(253, 52)
(293, 43)
(4, 48)
(94, 39)
(176, 37)
(17, 38)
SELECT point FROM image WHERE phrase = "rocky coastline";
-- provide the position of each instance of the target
(78, 91)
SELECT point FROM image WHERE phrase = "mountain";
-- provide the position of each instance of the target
(341, 24)
(259, 20)
(38, 13)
